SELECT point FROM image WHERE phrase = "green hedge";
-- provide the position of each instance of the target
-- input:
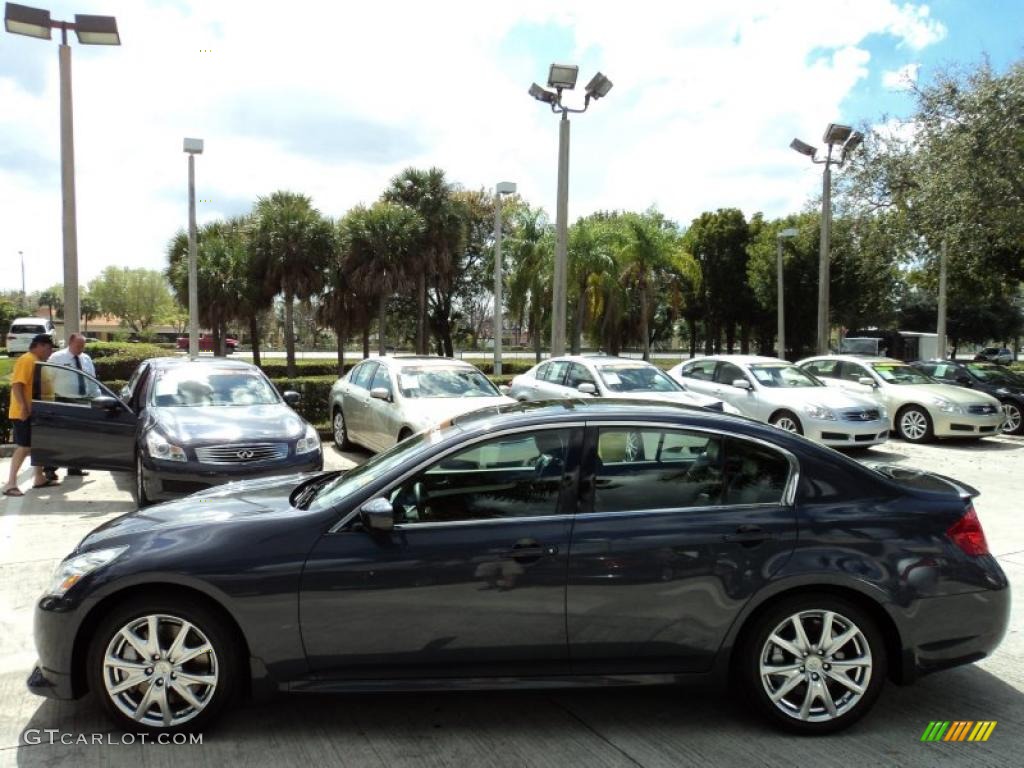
(315, 391)
(103, 349)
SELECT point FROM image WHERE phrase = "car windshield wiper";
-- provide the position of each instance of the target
(303, 496)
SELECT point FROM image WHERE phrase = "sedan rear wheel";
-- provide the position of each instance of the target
(340, 432)
(815, 664)
(141, 499)
(163, 664)
(1012, 419)
(914, 424)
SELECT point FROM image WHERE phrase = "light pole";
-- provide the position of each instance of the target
(22, 255)
(782, 311)
(847, 139)
(563, 77)
(193, 147)
(502, 188)
(90, 30)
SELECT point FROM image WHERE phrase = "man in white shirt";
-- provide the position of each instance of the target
(71, 386)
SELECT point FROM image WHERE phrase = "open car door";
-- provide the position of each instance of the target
(78, 422)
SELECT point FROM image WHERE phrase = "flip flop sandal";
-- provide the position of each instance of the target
(13, 492)
(47, 484)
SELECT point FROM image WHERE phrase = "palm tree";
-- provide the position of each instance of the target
(292, 243)
(90, 309)
(378, 243)
(52, 298)
(590, 257)
(647, 243)
(442, 236)
(529, 246)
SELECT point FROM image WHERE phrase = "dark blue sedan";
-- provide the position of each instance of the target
(578, 543)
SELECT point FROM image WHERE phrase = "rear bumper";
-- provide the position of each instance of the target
(943, 632)
(169, 481)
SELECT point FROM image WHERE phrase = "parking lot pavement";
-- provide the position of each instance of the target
(641, 727)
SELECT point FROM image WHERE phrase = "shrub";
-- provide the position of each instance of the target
(5, 423)
(276, 369)
(101, 349)
(315, 391)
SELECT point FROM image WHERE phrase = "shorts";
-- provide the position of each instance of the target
(22, 432)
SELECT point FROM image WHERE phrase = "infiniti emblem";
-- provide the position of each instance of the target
(245, 454)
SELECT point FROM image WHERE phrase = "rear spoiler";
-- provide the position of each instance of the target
(929, 482)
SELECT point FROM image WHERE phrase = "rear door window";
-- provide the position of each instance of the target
(703, 370)
(26, 328)
(555, 372)
(363, 374)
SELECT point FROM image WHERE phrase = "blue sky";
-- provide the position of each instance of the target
(706, 99)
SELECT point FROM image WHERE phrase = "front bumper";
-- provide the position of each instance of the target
(49, 684)
(171, 480)
(847, 434)
(966, 424)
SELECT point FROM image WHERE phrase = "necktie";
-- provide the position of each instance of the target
(81, 379)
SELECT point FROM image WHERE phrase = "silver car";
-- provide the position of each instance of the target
(382, 401)
(605, 376)
(779, 393)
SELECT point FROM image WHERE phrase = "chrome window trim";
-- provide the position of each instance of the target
(447, 452)
(487, 521)
(676, 510)
(792, 482)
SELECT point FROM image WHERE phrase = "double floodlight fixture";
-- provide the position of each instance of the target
(562, 77)
(836, 134)
(36, 22)
(598, 86)
(542, 94)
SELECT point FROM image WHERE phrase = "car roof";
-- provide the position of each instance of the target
(220, 362)
(743, 359)
(26, 320)
(605, 408)
(422, 361)
(595, 359)
(854, 359)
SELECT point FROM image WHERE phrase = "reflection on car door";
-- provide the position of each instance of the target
(381, 427)
(850, 374)
(742, 399)
(551, 386)
(357, 403)
(579, 374)
(677, 529)
(700, 376)
(68, 431)
(471, 582)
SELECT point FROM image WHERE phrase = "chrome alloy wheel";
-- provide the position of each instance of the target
(914, 425)
(160, 670)
(1011, 418)
(339, 429)
(815, 666)
(787, 423)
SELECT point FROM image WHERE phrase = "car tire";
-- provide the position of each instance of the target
(794, 682)
(788, 421)
(340, 430)
(1013, 418)
(139, 491)
(214, 675)
(914, 425)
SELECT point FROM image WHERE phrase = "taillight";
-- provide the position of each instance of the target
(967, 534)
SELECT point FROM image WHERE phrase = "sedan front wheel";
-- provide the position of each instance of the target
(914, 425)
(340, 432)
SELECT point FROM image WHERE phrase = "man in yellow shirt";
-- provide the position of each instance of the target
(20, 411)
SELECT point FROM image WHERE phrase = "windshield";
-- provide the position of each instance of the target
(192, 386)
(444, 382)
(901, 374)
(783, 376)
(636, 378)
(992, 373)
(357, 478)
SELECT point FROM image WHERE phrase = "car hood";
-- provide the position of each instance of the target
(683, 398)
(229, 424)
(428, 411)
(958, 395)
(221, 505)
(830, 397)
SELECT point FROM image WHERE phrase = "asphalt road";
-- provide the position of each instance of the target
(643, 727)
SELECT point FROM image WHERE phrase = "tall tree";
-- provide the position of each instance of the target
(292, 244)
(442, 236)
(139, 297)
(590, 257)
(529, 247)
(53, 298)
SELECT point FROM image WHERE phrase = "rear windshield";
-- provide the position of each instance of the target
(22, 328)
(636, 378)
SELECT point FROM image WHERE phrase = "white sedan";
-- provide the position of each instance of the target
(779, 393)
(606, 376)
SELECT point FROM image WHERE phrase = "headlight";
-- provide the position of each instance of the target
(308, 442)
(946, 406)
(159, 448)
(71, 571)
(819, 412)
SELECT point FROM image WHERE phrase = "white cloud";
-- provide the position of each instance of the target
(706, 100)
(902, 78)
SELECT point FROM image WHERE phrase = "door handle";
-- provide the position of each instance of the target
(530, 550)
(747, 535)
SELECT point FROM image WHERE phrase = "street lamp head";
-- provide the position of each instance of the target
(836, 133)
(22, 20)
(563, 76)
(853, 142)
(542, 94)
(789, 232)
(802, 147)
(96, 30)
(598, 86)
(505, 188)
(194, 146)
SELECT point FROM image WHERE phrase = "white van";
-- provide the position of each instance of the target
(23, 329)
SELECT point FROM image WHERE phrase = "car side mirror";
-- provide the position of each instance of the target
(378, 514)
(964, 381)
(504, 389)
(291, 397)
(380, 393)
(741, 384)
(866, 381)
(105, 403)
(587, 388)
